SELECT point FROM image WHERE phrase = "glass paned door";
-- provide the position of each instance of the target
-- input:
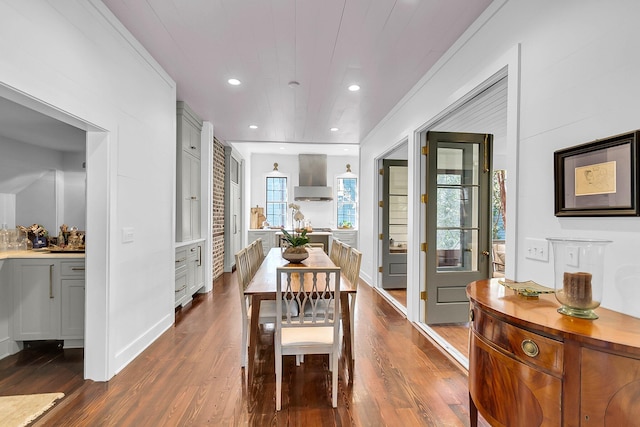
(394, 224)
(458, 221)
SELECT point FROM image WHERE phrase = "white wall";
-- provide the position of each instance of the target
(75, 57)
(578, 83)
(48, 186)
(321, 214)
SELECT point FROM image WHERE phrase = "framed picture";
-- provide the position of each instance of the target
(599, 178)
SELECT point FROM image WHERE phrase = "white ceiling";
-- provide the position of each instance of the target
(385, 46)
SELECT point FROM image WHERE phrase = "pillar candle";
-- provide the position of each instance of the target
(577, 289)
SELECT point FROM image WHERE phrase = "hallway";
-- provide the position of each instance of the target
(191, 376)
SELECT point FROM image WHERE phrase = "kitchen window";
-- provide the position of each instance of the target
(347, 202)
(276, 201)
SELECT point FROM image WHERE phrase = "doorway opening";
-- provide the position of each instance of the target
(484, 113)
(394, 225)
(80, 151)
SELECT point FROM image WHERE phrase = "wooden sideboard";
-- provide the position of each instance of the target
(532, 366)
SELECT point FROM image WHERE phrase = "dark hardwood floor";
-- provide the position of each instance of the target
(192, 376)
(457, 335)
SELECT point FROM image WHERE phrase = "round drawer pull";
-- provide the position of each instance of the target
(530, 348)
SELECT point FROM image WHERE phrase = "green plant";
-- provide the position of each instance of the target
(296, 240)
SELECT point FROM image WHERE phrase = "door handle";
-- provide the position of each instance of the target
(486, 253)
(51, 281)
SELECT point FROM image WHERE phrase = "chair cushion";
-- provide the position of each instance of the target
(307, 336)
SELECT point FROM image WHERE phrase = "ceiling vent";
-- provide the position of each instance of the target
(312, 178)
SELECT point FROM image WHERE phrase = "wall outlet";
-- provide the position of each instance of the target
(537, 249)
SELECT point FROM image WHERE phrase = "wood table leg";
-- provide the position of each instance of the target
(346, 332)
(253, 335)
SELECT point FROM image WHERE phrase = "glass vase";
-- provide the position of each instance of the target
(578, 275)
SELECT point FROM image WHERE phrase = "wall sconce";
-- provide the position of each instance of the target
(348, 168)
(275, 166)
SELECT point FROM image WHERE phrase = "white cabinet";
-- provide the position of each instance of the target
(48, 300)
(189, 273)
(350, 237)
(188, 197)
(268, 238)
(36, 300)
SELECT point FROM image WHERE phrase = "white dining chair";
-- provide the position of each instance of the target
(336, 248)
(316, 293)
(267, 307)
(352, 274)
(254, 256)
(344, 255)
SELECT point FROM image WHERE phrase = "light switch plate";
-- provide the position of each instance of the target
(537, 249)
(127, 234)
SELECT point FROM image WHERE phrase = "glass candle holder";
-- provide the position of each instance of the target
(578, 275)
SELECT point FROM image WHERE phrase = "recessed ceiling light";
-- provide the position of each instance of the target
(253, 127)
(234, 82)
(282, 148)
(334, 129)
(345, 149)
(354, 88)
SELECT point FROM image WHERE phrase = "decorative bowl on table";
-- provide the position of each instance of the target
(295, 254)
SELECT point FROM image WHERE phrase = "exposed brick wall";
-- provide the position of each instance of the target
(217, 198)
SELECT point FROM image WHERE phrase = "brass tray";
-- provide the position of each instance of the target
(527, 289)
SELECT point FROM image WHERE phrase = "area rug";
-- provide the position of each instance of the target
(19, 411)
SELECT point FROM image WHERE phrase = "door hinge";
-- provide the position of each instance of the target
(423, 247)
(423, 295)
(380, 236)
(425, 150)
(381, 204)
(380, 269)
(424, 198)
(381, 171)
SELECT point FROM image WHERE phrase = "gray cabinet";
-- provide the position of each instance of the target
(195, 270)
(189, 272)
(188, 192)
(72, 300)
(36, 300)
(48, 300)
(181, 276)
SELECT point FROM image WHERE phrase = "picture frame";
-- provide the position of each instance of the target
(599, 178)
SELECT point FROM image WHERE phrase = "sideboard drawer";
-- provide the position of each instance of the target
(525, 346)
